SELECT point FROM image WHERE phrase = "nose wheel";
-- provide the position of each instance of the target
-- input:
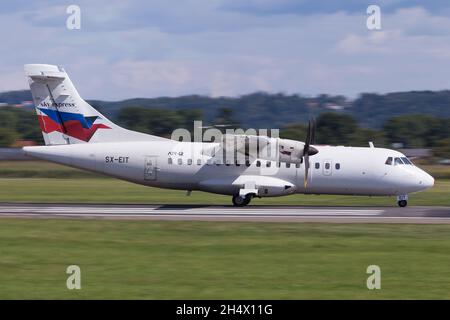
(402, 201)
(239, 201)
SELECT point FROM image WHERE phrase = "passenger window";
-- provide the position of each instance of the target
(397, 161)
(268, 164)
(288, 164)
(180, 161)
(189, 162)
(389, 161)
(169, 161)
(317, 165)
(327, 166)
(337, 166)
(258, 163)
(406, 160)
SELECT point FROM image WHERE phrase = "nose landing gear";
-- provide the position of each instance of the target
(402, 201)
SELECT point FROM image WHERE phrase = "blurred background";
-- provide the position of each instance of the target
(401, 120)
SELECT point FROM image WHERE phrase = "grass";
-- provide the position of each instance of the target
(104, 190)
(228, 260)
(209, 260)
(41, 169)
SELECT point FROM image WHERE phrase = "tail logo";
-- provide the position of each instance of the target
(75, 125)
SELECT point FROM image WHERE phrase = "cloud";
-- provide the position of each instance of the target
(222, 48)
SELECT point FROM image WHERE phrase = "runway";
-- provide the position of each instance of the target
(330, 214)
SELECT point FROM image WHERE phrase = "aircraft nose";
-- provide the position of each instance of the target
(416, 180)
(426, 180)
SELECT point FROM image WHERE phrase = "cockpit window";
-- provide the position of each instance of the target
(406, 160)
(398, 161)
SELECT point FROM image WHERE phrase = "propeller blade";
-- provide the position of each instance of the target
(308, 149)
(305, 182)
(313, 131)
(308, 138)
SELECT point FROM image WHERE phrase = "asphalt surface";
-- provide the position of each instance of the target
(437, 215)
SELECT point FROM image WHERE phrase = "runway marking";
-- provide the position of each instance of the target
(157, 211)
(425, 215)
(305, 218)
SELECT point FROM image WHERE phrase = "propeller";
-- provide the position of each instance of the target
(308, 149)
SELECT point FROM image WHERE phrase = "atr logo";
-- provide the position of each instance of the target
(73, 124)
(288, 153)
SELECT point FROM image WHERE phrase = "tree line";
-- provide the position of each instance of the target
(263, 110)
(334, 128)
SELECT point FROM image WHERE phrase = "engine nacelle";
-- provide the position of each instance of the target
(266, 148)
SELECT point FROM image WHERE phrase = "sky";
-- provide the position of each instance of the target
(128, 49)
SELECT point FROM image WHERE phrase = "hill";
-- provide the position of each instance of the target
(264, 110)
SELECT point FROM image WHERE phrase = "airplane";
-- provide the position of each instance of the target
(77, 135)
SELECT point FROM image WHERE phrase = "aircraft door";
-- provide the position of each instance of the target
(150, 168)
(327, 167)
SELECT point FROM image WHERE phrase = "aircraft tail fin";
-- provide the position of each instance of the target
(64, 117)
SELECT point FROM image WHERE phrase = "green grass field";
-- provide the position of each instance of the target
(208, 260)
(41, 169)
(35, 181)
(227, 260)
(115, 191)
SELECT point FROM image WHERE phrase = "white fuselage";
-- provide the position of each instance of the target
(195, 166)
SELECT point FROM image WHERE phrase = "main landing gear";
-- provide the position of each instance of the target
(402, 201)
(241, 201)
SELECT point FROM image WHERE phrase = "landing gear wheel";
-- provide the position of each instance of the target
(402, 203)
(239, 201)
